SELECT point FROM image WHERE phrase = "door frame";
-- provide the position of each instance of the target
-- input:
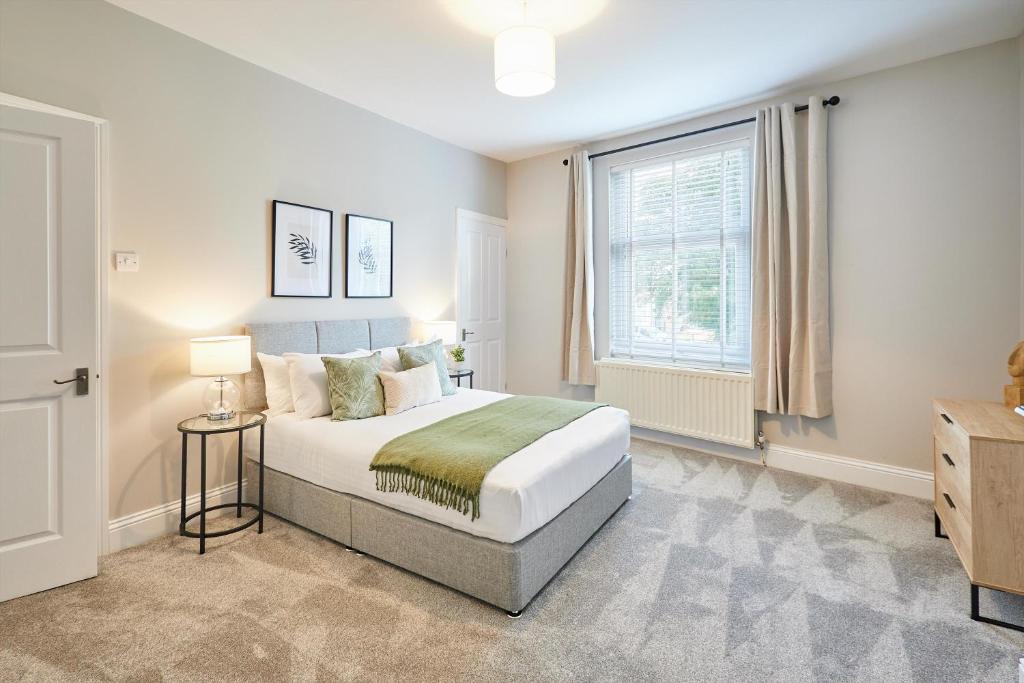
(466, 214)
(102, 309)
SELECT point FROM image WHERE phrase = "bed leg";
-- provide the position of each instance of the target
(514, 615)
(348, 549)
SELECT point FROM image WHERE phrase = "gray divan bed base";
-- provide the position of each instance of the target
(507, 575)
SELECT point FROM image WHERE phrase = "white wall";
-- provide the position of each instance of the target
(925, 218)
(538, 225)
(201, 142)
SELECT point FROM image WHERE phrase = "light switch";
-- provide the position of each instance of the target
(126, 261)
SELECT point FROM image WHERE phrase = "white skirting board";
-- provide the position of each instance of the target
(873, 475)
(909, 482)
(140, 527)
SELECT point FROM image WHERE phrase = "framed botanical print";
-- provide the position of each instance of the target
(301, 242)
(369, 257)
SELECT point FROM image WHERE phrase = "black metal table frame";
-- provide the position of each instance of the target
(458, 375)
(238, 505)
(975, 607)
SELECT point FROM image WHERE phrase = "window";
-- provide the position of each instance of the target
(680, 258)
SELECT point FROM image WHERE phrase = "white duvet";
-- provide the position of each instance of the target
(521, 494)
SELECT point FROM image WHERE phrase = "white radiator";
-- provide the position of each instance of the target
(706, 404)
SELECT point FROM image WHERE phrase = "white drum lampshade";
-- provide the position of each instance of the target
(440, 329)
(524, 61)
(217, 357)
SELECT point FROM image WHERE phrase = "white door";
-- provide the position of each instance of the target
(48, 329)
(481, 297)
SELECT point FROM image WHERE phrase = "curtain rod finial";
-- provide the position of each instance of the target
(834, 100)
(565, 162)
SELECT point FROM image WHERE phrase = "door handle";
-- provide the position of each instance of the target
(466, 333)
(81, 380)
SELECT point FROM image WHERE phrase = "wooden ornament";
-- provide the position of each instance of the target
(1013, 394)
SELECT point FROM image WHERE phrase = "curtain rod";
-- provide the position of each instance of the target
(834, 100)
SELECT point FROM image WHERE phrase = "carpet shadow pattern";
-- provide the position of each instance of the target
(715, 570)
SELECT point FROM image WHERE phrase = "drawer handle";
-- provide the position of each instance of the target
(946, 418)
(949, 501)
(949, 461)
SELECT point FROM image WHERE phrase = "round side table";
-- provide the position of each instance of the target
(457, 375)
(204, 427)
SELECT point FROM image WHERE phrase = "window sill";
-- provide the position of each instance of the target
(691, 367)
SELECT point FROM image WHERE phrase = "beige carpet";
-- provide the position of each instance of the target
(716, 570)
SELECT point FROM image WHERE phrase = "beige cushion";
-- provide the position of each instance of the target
(410, 388)
(279, 388)
(308, 379)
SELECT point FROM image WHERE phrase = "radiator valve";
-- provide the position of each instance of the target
(762, 445)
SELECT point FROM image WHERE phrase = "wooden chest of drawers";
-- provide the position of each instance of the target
(979, 491)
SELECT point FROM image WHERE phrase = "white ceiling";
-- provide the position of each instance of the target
(622, 64)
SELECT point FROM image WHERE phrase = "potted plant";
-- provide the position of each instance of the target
(458, 357)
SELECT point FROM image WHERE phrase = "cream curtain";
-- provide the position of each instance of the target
(791, 345)
(578, 335)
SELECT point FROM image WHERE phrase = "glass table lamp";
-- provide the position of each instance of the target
(440, 329)
(218, 357)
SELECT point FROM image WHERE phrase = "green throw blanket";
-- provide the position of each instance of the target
(446, 462)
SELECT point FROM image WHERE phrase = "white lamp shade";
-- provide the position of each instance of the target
(524, 61)
(440, 329)
(216, 356)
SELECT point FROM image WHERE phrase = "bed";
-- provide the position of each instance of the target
(538, 507)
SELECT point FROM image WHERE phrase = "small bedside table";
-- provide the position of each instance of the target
(457, 375)
(204, 427)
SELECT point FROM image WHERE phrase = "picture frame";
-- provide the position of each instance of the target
(302, 250)
(369, 257)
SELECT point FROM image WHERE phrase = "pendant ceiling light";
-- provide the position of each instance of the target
(524, 60)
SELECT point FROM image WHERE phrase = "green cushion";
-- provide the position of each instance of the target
(415, 356)
(354, 388)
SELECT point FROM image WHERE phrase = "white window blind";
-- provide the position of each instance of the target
(680, 258)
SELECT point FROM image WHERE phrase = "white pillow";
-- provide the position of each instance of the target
(389, 360)
(278, 384)
(410, 388)
(308, 378)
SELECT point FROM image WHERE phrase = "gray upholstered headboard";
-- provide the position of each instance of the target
(321, 336)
